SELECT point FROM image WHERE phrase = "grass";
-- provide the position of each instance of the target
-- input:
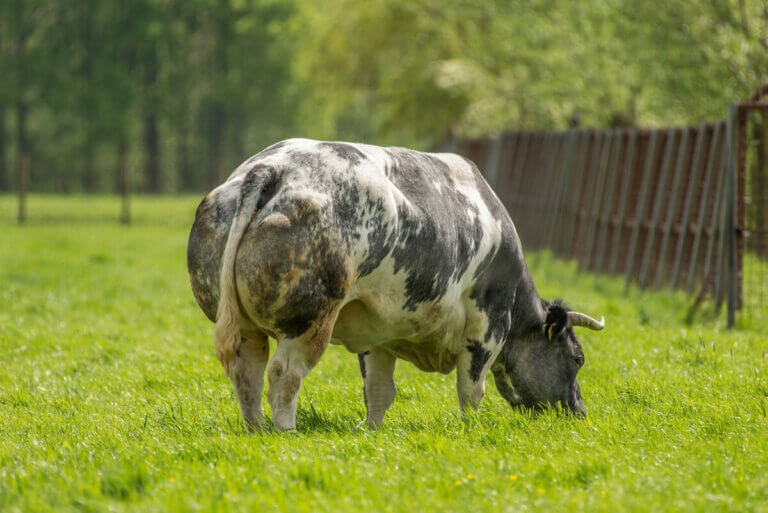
(111, 398)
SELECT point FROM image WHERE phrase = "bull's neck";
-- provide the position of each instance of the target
(527, 312)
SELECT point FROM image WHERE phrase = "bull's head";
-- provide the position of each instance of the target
(539, 368)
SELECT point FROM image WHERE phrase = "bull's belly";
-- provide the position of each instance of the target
(429, 337)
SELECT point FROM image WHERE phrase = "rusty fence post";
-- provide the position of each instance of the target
(574, 200)
(730, 223)
(711, 177)
(596, 203)
(725, 283)
(506, 166)
(629, 160)
(562, 180)
(716, 213)
(658, 203)
(606, 219)
(674, 198)
(721, 257)
(520, 164)
(528, 186)
(690, 190)
(546, 189)
(527, 162)
(591, 169)
(494, 161)
(650, 157)
(508, 194)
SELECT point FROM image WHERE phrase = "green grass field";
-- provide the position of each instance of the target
(111, 398)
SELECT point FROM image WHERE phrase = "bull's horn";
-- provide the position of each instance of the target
(585, 321)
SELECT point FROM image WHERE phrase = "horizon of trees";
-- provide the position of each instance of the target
(170, 95)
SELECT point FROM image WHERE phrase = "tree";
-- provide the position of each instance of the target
(22, 21)
(5, 184)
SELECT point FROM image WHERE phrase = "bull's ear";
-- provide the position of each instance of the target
(556, 321)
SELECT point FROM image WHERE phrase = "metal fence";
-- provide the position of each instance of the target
(663, 207)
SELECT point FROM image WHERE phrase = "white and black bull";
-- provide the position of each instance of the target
(391, 252)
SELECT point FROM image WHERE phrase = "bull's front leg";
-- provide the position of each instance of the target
(472, 368)
(378, 369)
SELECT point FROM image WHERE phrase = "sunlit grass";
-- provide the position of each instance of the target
(111, 397)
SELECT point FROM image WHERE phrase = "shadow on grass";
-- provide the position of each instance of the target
(311, 421)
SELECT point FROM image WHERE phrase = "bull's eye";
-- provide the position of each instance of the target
(579, 360)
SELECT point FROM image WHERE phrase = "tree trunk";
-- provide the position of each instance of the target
(5, 182)
(183, 175)
(216, 143)
(122, 163)
(88, 178)
(220, 118)
(22, 159)
(151, 152)
(238, 137)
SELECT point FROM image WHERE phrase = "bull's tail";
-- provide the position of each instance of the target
(227, 335)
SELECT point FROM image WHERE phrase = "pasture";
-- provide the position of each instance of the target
(111, 397)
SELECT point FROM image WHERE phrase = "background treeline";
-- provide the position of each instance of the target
(180, 91)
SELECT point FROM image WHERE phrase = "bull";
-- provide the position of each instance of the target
(390, 252)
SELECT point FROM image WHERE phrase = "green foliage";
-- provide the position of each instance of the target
(185, 84)
(421, 66)
(193, 87)
(112, 398)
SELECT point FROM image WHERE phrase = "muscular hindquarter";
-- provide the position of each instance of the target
(290, 273)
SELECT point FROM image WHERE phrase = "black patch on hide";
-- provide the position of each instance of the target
(480, 356)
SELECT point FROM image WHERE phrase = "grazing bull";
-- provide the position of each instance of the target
(391, 252)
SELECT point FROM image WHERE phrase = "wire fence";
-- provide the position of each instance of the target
(665, 207)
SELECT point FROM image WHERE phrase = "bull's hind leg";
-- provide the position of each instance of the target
(378, 368)
(248, 377)
(293, 360)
